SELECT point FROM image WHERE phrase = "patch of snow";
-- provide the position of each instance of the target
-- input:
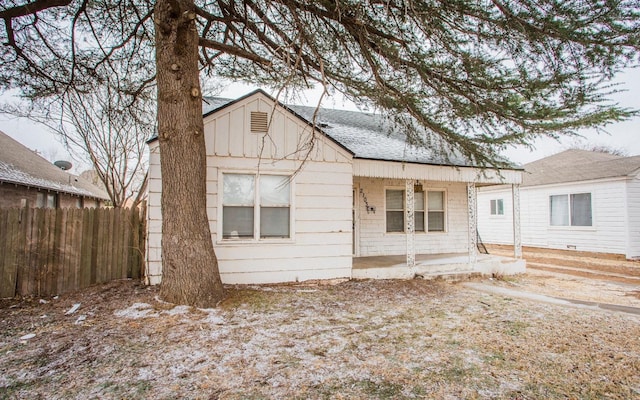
(214, 319)
(177, 310)
(28, 336)
(137, 311)
(73, 309)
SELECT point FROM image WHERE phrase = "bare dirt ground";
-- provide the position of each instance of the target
(579, 275)
(355, 340)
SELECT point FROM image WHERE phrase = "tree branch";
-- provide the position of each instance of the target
(236, 51)
(32, 8)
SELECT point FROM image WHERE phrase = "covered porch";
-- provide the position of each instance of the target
(430, 266)
(410, 246)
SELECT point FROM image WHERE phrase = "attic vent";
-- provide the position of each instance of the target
(259, 121)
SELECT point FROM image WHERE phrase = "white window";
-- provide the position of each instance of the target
(570, 210)
(436, 208)
(497, 207)
(241, 219)
(274, 206)
(46, 200)
(395, 210)
(433, 219)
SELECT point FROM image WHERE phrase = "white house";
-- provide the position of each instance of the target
(576, 199)
(281, 210)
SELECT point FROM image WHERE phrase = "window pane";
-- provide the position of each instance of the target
(237, 222)
(51, 201)
(40, 200)
(493, 207)
(419, 221)
(418, 201)
(238, 190)
(581, 209)
(274, 222)
(274, 190)
(500, 207)
(395, 200)
(436, 221)
(436, 201)
(559, 210)
(395, 221)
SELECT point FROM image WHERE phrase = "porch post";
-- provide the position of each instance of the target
(517, 236)
(410, 228)
(473, 223)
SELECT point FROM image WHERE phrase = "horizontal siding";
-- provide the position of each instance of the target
(289, 264)
(607, 235)
(273, 251)
(633, 212)
(322, 227)
(321, 214)
(495, 228)
(373, 238)
(320, 247)
(319, 273)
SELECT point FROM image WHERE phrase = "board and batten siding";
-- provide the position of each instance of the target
(373, 240)
(320, 246)
(608, 234)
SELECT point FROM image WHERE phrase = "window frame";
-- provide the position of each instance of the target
(568, 201)
(444, 211)
(497, 208)
(425, 210)
(45, 200)
(256, 238)
(403, 210)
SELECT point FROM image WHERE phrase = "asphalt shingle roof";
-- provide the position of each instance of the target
(20, 165)
(578, 165)
(366, 135)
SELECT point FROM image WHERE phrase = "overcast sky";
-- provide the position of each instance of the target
(622, 135)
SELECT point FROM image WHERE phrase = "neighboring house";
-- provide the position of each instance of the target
(281, 213)
(576, 200)
(24, 175)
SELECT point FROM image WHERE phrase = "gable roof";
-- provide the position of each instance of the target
(366, 135)
(22, 166)
(578, 165)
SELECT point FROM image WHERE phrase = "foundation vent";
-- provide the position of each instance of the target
(259, 122)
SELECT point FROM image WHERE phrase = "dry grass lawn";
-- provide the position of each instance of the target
(356, 340)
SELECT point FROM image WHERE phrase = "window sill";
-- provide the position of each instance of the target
(244, 242)
(417, 233)
(573, 228)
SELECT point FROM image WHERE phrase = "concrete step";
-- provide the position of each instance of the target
(456, 276)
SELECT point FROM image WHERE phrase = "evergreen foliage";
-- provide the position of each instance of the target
(479, 74)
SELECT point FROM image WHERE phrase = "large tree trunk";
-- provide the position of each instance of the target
(189, 265)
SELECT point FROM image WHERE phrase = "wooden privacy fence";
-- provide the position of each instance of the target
(51, 251)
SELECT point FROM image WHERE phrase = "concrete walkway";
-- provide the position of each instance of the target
(487, 288)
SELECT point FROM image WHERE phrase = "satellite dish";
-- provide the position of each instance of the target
(63, 165)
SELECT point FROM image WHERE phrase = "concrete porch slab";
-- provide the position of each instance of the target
(434, 265)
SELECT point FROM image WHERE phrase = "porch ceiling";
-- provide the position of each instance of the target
(439, 173)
